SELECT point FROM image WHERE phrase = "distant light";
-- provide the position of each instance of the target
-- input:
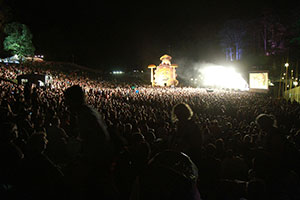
(295, 83)
(286, 64)
(117, 72)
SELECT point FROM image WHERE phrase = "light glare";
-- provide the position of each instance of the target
(223, 77)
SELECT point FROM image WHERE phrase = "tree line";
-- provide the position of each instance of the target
(268, 40)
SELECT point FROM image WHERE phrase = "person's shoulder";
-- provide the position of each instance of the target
(86, 112)
(85, 107)
(192, 123)
(278, 132)
(89, 109)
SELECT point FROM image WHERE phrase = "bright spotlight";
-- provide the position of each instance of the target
(223, 77)
(295, 83)
(117, 72)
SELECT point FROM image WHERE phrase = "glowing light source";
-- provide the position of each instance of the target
(295, 83)
(117, 72)
(223, 77)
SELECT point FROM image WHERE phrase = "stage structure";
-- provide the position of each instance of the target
(165, 73)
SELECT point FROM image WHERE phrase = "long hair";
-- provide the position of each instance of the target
(181, 111)
(266, 120)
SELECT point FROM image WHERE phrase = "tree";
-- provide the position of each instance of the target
(273, 33)
(294, 39)
(232, 39)
(296, 30)
(18, 40)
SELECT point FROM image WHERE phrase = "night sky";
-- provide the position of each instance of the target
(108, 34)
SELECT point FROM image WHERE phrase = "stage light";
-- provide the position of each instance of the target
(223, 77)
(117, 72)
(295, 83)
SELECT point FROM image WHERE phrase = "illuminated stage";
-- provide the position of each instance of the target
(165, 72)
(217, 76)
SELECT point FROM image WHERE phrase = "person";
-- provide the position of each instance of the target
(57, 137)
(27, 92)
(38, 176)
(11, 155)
(256, 190)
(209, 172)
(274, 142)
(92, 130)
(168, 175)
(284, 157)
(187, 137)
(90, 173)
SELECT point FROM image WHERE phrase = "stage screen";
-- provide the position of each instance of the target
(258, 80)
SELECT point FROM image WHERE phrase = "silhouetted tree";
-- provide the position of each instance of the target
(232, 39)
(273, 33)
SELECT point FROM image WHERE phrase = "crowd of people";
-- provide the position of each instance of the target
(88, 138)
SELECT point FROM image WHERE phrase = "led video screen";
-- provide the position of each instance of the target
(258, 80)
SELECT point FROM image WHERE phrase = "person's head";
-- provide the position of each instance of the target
(56, 121)
(247, 139)
(137, 138)
(127, 128)
(9, 131)
(229, 153)
(37, 143)
(220, 144)
(256, 190)
(211, 149)
(181, 112)
(228, 125)
(74, 96)
(150, 136)
(169, 175)
(265, 121)
(143, 127)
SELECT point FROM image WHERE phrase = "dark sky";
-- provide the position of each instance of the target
(104, 34)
